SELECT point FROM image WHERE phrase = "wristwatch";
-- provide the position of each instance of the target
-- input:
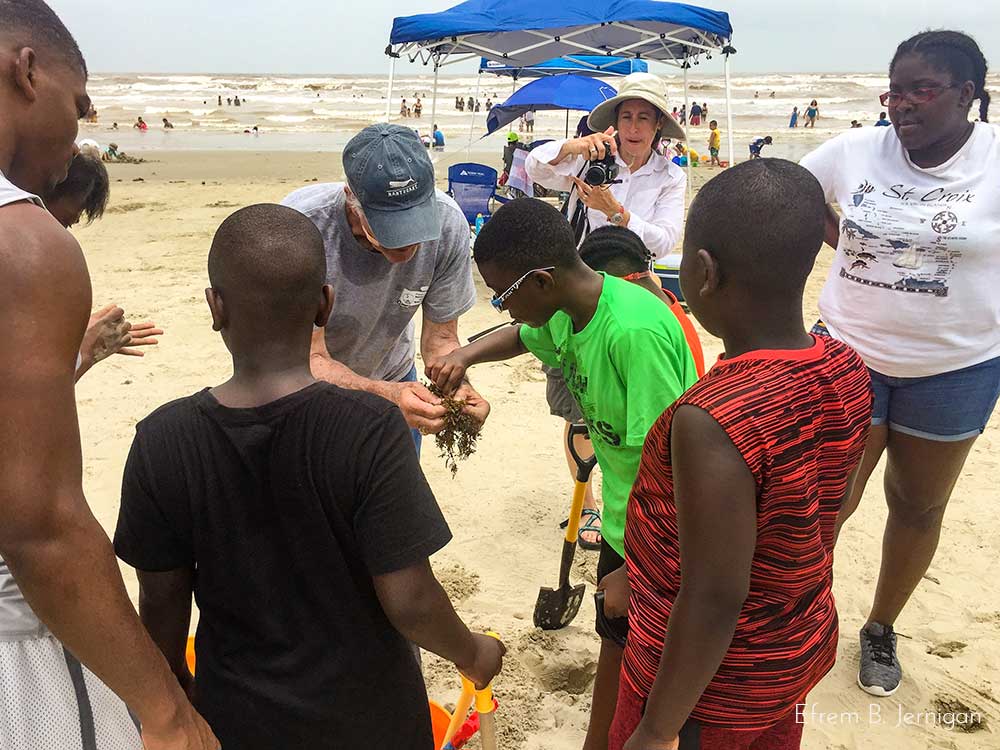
(618, 217)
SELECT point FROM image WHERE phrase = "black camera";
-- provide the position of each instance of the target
(602, 171)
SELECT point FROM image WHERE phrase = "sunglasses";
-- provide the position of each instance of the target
(499, 299)
(920, 95)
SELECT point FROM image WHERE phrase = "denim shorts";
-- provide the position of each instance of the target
(947, 407)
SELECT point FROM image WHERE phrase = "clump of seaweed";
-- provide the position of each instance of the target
(458, 438)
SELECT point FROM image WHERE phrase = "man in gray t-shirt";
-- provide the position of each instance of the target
(394, 244)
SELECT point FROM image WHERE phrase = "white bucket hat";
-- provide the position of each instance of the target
(646, 86)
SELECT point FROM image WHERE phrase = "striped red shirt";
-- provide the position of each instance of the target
(800, 419)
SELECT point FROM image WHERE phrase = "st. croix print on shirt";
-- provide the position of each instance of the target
(927, 231)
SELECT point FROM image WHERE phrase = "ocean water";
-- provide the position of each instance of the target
(322, 112)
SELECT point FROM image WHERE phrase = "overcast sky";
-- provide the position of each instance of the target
(349, 36)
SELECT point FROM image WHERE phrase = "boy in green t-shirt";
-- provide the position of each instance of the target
(623, 355)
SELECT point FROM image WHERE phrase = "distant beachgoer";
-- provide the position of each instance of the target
(167, 125)
(529, 121)
(418, 108)
(812, 113)
(229, 101)
(489, 104)
(471, 104)
(140, 124)
(773, 94)
(794, 121)
(695, 114)
(757, 145)
(237, 102)
(220, 100)
(91, 114)
(438, 139)
(683, 114)
(714, 143)
(477, 105)
(114, 126)
(855, 124)
(756, 95)
(704, 111)
(883, 121)
(403, 108)
(675, 114)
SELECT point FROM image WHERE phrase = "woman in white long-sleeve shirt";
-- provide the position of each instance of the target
(649, 200)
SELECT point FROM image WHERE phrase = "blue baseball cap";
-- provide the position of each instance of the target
(388, 169)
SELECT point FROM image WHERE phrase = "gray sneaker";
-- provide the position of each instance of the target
(880, 672)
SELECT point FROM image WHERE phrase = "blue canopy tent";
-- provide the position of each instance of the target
(671, 33)
(567, 92)
(581, 65)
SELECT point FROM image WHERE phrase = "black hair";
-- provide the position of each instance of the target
(524, 234)
(763, 221)
(269, 264)
(32, 23)
(955, 52)
(87, 181)
(616, 250)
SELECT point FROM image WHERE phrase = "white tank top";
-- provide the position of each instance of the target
(17, 621)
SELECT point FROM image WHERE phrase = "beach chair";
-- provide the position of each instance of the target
(474, 187)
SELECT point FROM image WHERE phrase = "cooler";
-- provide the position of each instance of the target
(668, 271)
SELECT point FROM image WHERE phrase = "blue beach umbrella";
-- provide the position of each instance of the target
(567, 92)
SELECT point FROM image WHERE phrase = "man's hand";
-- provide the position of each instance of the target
(487, 662)
(140, 334)
(476, 406)
(447, 371)
(421, 409)
(642, 739)
(188, 731)
(616, 593)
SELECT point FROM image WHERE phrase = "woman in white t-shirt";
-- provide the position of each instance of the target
(913, 288)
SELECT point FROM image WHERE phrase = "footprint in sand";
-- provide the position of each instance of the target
(947, 649)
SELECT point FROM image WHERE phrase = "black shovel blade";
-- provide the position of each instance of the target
(556, 608)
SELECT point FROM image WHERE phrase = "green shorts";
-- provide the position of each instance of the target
(714, 153)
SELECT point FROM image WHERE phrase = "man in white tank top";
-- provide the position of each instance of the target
(58, 575)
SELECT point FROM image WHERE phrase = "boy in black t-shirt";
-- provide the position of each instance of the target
(297, 514)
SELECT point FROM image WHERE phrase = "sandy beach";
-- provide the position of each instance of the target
(504, 506)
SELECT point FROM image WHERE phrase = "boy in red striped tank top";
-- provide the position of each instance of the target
(730, 527)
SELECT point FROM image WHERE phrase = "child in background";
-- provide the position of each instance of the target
(85, 192)
(297, 513)
(757, 145)
(620, 252)
(622, 354)
(714, 143)
(732, 624)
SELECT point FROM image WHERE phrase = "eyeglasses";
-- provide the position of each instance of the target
(920, 95)
(499, 299)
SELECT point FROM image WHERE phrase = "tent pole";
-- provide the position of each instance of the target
(472, 120)
(729, 117)
(388, 96)
(513, 90)
(434, 101)
(567, 123)
(687, 119)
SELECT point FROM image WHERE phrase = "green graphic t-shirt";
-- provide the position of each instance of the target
(625, 368)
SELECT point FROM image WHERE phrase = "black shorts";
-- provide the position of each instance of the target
(613, 629)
